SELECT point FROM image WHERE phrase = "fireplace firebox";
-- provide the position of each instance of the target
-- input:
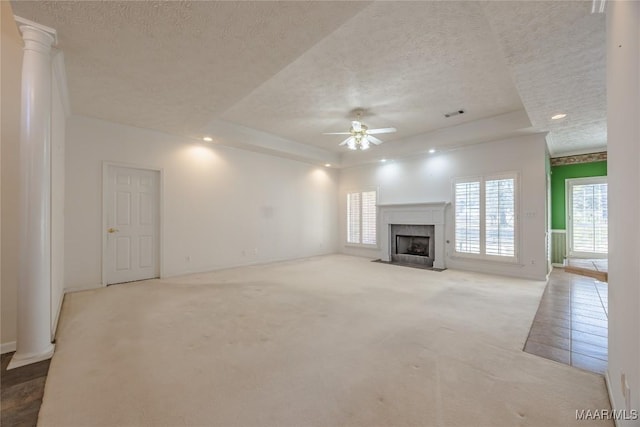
(412, 245)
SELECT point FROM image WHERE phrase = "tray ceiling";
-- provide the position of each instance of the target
(294, 70)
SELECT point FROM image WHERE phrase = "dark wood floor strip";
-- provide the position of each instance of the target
(21, 392)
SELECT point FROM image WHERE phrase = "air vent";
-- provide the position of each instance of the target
(454, 113)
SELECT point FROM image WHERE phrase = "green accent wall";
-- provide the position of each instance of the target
(559, 174)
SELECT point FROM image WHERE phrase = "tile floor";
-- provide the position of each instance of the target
(591, 264)
(596, 268)
(571, 323)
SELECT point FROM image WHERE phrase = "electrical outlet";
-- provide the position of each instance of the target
(187, 258)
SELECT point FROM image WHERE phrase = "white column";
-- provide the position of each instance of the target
(34, 279)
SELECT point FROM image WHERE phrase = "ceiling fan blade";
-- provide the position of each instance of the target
(346, 141)
(337, 133)
(356, 126)
(381, 130)
(374, 139)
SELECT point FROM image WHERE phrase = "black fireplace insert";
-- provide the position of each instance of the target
(412, 245)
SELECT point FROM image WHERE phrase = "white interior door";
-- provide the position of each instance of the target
(132, 219)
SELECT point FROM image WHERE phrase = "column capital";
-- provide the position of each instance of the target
(41, 34)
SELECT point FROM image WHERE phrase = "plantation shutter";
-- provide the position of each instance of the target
(369, 223)
(467, 217)
(353, 218)
(500, 206)
(590, 218)
(362, 224)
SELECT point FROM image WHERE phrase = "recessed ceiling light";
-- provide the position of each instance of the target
(433, 150)
(327, 165)
(383, 160)
(207, 139)
(558, 116)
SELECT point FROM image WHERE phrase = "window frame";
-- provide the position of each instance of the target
(377, 220)
(482, 179)
(569, 183)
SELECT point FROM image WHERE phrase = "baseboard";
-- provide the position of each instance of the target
(255, 263)
(81, 289)
(7, 347)
(493, 267)
(611, 399)
(555, 264)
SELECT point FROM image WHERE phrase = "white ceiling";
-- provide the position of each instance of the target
(289, 71)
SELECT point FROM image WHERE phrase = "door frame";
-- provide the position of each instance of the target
(105, 202)
(568, 197)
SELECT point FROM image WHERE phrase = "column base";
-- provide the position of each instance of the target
(19, 360)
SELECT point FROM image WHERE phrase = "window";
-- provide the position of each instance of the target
(588, 216)
(500, 217)
(485, 216)
(361, 218)
(468, 217)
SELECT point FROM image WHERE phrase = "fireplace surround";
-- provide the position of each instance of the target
(424, 222)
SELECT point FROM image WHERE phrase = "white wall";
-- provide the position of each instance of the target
(623, 111)
(222, 206)
(429, 178)
(58, 140)
(11, 51)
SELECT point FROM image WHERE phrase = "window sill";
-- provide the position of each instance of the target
(361, 246)
(492, 260)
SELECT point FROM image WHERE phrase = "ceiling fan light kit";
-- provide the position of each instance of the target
(360, 136)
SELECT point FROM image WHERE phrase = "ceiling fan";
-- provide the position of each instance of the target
(360, 136)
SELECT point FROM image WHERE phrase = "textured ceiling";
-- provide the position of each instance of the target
(408, 63)
(556, 53)
(172, 65)
(297, 69)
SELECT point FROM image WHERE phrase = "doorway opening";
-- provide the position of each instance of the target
(587, 227)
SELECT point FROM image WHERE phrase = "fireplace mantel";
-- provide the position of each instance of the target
(422, 213)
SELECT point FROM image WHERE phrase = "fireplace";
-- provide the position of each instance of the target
(412, 244)
(413, 233)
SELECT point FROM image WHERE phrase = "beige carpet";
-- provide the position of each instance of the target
(327, 341)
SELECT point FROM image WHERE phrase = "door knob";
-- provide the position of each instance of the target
(112, 230)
